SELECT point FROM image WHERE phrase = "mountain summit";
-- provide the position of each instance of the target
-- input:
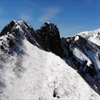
(39, 64)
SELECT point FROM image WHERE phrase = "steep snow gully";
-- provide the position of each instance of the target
(39, 65)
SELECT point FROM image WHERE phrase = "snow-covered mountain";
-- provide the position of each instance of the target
(39, 65)
(83, 55)
(93, 36)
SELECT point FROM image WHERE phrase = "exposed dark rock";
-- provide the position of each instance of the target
(7, 29)
(51, 37)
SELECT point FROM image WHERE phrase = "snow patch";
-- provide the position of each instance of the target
(81, 56)
(76, 38)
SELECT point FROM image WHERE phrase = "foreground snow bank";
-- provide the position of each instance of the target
(38, 75)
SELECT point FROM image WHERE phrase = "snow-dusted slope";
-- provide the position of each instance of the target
(93, 36)
(84, 56)
(27, 72)
(38, 75)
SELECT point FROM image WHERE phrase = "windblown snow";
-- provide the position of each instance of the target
(39, 75)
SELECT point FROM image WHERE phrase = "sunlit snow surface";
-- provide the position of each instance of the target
(35, 74)
(93, 36)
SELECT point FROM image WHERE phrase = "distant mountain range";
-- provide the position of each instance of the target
(40, 65)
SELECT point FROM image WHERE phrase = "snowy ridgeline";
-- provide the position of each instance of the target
(93, 36)
(39, 75)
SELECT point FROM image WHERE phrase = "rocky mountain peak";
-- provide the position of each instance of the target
(50, 28)
(13, 26)
(47, 37)
(51, 37)
(8, 28)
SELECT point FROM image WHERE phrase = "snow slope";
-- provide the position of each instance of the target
(27, 72)
(93, 36)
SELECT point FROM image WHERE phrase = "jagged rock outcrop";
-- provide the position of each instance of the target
(8, 28)
(14, 33)
(51, 38)
(46, 38)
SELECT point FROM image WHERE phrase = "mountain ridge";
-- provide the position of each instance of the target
(17, 40)
(93, 36)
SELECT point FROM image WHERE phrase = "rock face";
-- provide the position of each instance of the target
(51, 38)
(47, 37)
(78, 52)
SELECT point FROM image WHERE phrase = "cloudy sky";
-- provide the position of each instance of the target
(71, 16)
